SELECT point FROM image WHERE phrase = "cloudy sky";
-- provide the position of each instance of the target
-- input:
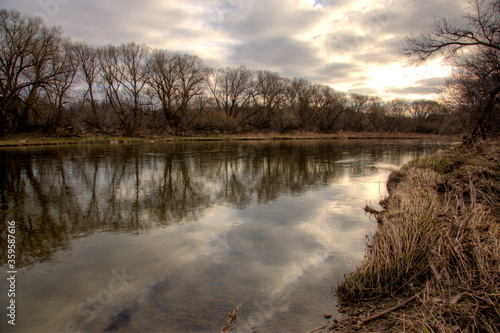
(352, 45)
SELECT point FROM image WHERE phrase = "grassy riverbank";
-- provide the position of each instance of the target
(434, 263)
(30, 139)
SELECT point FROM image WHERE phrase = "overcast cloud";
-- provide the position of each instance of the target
(351, 45)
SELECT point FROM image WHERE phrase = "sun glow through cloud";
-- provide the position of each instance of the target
(353, 46)
(400, 76)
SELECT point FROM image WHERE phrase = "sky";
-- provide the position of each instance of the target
(352, 45)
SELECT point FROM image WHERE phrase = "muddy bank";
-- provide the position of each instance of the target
(36, 139)
(434, 263)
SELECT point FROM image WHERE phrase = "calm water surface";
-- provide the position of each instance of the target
(171, 237)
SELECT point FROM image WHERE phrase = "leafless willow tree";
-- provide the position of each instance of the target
(474, 44)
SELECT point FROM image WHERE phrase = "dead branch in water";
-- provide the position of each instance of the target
(441, 231)
(232, 317)
(394, 308)
(374, 212)
(371, 210)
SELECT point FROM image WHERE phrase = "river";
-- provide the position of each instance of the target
(172, 236)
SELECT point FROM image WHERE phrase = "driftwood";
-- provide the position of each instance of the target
(375, 213)
(232, 317)
(394, 308)
(372, 211)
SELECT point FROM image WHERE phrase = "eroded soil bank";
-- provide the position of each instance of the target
(434, 263)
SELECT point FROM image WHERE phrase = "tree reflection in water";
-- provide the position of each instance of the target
(59, 193)
(198, 227)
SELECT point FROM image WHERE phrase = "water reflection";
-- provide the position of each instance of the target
(196, 227)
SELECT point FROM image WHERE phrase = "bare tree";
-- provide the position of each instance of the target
(176, 79)
(359, 103)
(44, 53)
(474, 44)
(111, 81)
(474, 94)
(192, 74)
(65, 66)
(396, 109)
(232, 89)
(332, 106)
(422, 109)
(125, 75)
(163, 79)
(134, 74)
(357, 107)
(479, 28)
(318, 107)
(269, 100)
(16, 39)
(89, 71)
(303, 94)
(27, 51)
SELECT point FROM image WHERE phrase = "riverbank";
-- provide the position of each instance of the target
(35, 139)
(434, 263)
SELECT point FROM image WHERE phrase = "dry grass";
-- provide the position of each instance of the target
(28, 139)
(439, 236)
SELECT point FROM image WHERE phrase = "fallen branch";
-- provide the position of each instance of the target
(372, 211)
(394, 308)
(232, 317)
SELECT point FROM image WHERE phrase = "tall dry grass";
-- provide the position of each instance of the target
(439, 235)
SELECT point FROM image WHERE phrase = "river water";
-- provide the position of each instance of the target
(171, 237)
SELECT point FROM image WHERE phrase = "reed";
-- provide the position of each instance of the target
(439, 237)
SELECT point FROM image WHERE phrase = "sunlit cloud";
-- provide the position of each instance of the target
(318, 40)
(408, 79)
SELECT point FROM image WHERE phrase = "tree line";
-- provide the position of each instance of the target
(62, 87)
